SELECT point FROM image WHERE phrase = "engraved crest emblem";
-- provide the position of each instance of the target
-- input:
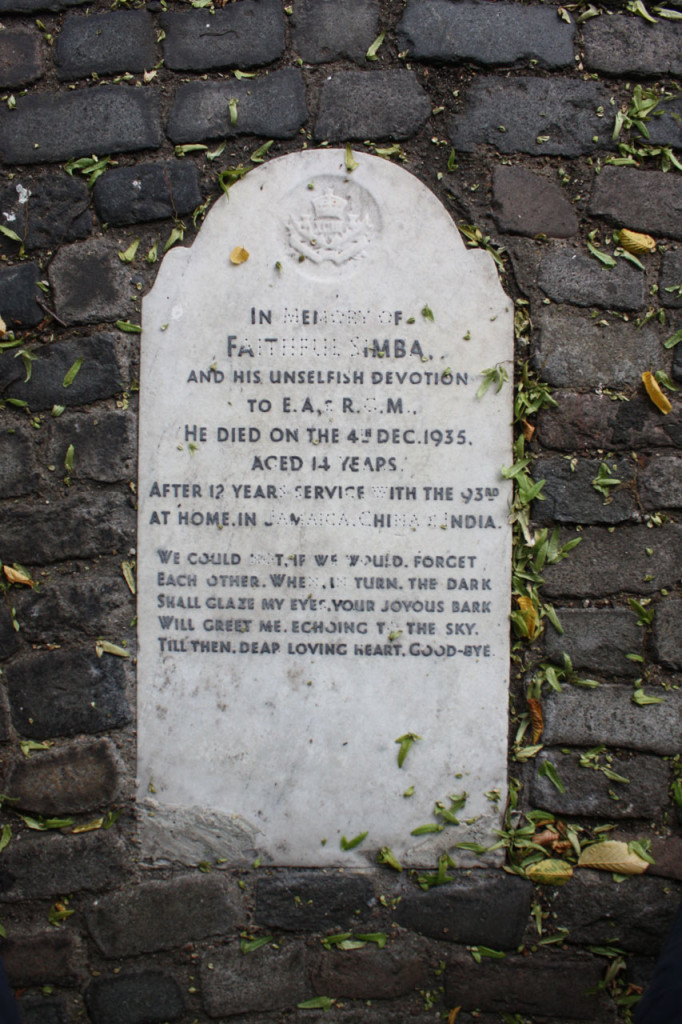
(330, 231)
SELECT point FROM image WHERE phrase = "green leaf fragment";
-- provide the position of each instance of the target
(129, 576)
(129, 255)
(405, 742)
(350, 161)
(232, 105)
(423, 830)
(319, 1003)
(5, 836)
(71, 373)
(603, 257)
(68, 458)
(350, 844)
(8, 233)
(379, 938)
(673, 340)
(176, 235)
(189, 147)
(374, 48)
(549, 771)
(249, 944)
(258, 155)
(479, 952)
(427, 313)
(127, 327)
(386, 856)
(243, 74)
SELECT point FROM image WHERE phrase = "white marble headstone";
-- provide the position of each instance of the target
(323, 550)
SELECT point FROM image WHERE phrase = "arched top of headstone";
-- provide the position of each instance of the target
(305, 220)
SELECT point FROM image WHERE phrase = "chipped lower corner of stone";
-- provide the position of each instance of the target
(191, 836)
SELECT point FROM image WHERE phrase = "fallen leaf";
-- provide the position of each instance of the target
(17, 576)
(550, 872)
(527, 609)
(3, 328)
(654, 392)
(104, 647)
(238, 255)
(536, 720)
(612, 855)
(634, 242)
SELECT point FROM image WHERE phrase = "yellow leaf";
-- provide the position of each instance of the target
(105, 647)
(17, 576)
(89, 826)
(239, 255)
(654, 392)
(527, 609)
(3, 328)
(634, 242)
(550, 872)
(612, 856)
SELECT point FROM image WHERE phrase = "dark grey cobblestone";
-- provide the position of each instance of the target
(524, 203)
(243, 35)
(371, 973)
(660, 482)
(310, 900)
(105, 43)
(569, 275)
(233, 984)
(485, 906)
(104, 445)
(18, 294)
(44, 866)
(39, 1010)
(272, 106)
(589, 793)
(63, 693)
(544, 983)
(371, 105)
(616, 46)
(70, 779)
(671, 278)
(46, 127)
(512, 114)
(145, 997)
(68, 606)
(21, 58)
(443, 31)
(649, 201)
(571, 498)
(667, 635)
(599, 421)
(56, 210)
(606, 563)
(38, 957)
(36, 535)
(324, 30)
(99, 376)
(18, 467)
(574, 350)
(585, 718)
(636, 915)
(162, 915)
(131, 195)
(597, 639)
(90, 284)
(29, 6)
